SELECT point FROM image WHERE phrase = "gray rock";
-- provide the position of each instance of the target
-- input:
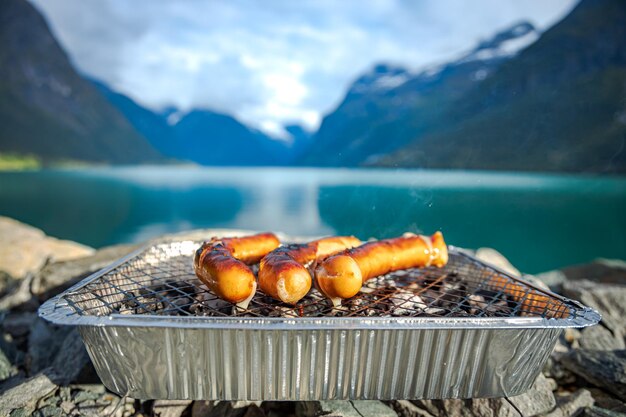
(27, 394)
(606, 400)
(221, 409)
(71, 358)
(44, 342)
(202, 408)
(537, 400)
(67, 406)
(608, 299)
(19, 324)
(601, 338)
(106, 405)
(254, 411)
(344, 409)
(25, 249)
(65, 393)
(11, 351)
(279, 408)
(553, 279)
(19, 296)
(56, 277)
(571, 404)
(601, 270)
(326, 408)
(20, 412)
(373, 408)
(58, 346)
(535, 281)
(6, 367)
(495, 258)
(555, 370)
(601, 412)
(406, 408)
(7, 283)
(170, 408)
(49, 411)
(605, 369)
(82, 396)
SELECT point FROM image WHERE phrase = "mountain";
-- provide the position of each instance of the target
(301, 141)
(154, 127)
(389, 106)
(558, 106)
(211, 138)
(46, 108)
(204, 136)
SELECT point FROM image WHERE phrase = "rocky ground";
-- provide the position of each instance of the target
(45, 370)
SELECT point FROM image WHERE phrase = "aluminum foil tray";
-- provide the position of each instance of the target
(466, 330)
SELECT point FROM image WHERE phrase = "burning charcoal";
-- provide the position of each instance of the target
(149, 307)
(288, 312)
(405, 302)
(477, 302)
(175, 288)
(281, 311)
(142, 291)
(487, 294)
(208, 301)
(430, 296)
(499, 308)
(364, 306)
(368, 290)
(315, 309)
(178, 305)
(182, 301)
(459, 313)
(435, 311)
(126, 310)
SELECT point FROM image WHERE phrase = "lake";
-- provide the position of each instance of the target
(539, 222)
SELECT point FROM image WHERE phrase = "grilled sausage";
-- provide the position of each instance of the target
(532, 302)
(283, 273)
(342, 276)
(222, 264)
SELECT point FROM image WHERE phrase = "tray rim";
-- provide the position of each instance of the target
(58, 311)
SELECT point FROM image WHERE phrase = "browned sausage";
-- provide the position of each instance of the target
(283, 273)
(221, 264)
(341, 276)
(532, 302)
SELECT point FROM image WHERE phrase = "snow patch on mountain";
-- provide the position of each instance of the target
(381, 78)
(505, 44)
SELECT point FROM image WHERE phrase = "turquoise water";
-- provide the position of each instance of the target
(540, 222)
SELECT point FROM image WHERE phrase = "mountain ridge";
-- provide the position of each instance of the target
(46, 108)
(559, 106)
(205, 136)
(380, 120)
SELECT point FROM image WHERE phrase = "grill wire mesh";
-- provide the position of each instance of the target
(161, 282)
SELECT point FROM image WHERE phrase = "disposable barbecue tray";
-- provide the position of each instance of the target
(153, 330)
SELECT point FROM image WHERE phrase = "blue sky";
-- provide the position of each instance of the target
(270, 63)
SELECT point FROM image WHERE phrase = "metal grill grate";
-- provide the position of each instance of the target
(160, 282)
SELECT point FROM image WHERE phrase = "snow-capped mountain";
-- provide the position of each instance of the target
(382, 77)
(521, 100)
(505, 44)
(390, 105)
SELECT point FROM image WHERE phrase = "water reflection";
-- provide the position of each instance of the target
(540, 222)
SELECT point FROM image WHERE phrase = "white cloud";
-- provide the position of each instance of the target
(271, 62)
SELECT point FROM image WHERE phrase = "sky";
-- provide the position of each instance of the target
(270, 63)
